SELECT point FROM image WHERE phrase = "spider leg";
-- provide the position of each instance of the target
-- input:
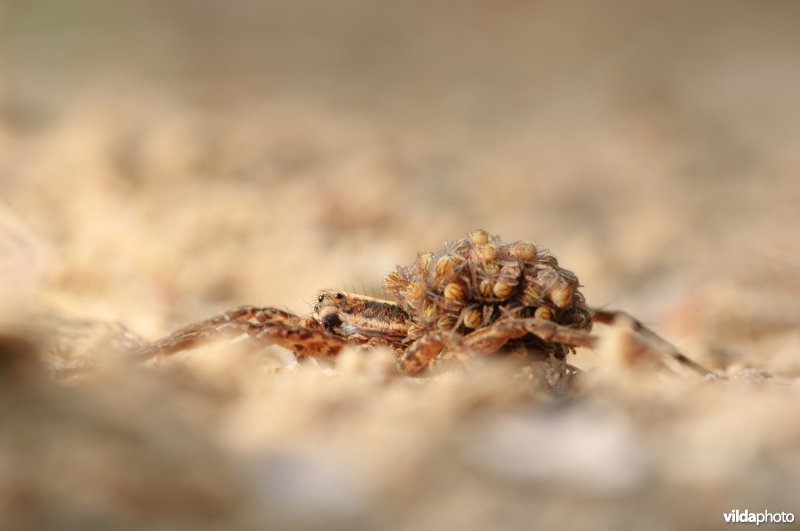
(491, 338)
(422, 351)
(266, 325)
(303, 341)
(487, 340)
(608, 317)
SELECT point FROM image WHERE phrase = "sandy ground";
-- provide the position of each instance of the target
(163, 162)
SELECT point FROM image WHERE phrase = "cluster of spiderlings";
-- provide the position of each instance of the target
(472, 282)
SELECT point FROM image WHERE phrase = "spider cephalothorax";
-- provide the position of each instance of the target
(476, 295)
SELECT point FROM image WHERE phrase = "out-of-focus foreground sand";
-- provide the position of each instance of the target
(161, 162)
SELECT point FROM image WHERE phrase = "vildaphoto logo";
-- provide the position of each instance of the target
(764, 517)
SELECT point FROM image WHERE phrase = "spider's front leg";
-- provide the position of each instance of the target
(265, 325)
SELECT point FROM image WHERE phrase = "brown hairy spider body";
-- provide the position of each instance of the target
(476, 295)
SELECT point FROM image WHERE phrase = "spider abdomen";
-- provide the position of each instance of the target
(472, 282)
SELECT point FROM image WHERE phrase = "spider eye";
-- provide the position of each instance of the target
(320, 298)
(339, 296)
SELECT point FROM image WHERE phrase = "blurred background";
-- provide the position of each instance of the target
(162, 161)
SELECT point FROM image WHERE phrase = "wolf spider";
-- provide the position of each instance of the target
(474, 295)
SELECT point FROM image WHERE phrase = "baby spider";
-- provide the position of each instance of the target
(476, 295)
